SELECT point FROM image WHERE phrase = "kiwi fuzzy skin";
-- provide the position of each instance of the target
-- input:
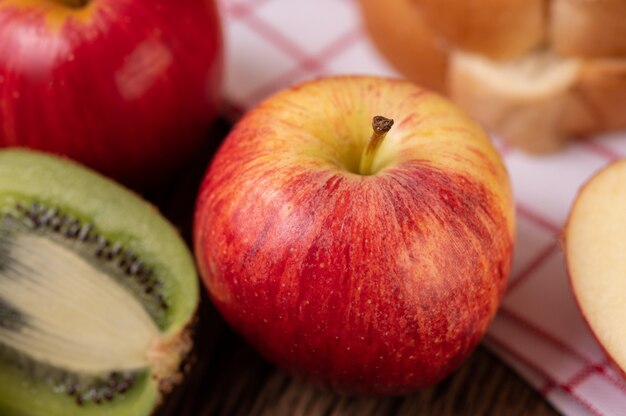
(119, 215)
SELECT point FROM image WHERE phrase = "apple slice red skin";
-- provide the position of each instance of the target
(127, 87)
(614, 364)
(606, 352)
(312, 265)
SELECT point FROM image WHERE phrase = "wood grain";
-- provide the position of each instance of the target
(226, 377)
(229, 378)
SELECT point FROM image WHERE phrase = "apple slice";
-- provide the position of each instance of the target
(595, 248)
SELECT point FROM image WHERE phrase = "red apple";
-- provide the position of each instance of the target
(371, 268)
(128, 87)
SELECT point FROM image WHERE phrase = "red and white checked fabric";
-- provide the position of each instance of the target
(539, 331)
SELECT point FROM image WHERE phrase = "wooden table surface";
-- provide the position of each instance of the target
(227, 377)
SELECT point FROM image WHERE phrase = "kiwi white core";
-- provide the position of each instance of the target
(72, 315)
(595, 241)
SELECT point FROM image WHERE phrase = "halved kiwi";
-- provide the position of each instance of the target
(97, 292)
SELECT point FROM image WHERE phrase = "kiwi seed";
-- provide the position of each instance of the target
(97, 292)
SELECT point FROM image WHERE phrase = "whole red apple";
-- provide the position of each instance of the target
(128, 87)
(369, 266)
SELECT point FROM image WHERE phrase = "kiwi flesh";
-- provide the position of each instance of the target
(97, 293)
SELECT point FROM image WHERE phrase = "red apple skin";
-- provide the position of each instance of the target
(610, 356)
(128, 87)
(374, 284)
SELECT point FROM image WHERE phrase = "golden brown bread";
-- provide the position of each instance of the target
(602, 88)
(399, 33)
(588, 28)
(534, 99)
(523, 100)
(541, 100)
(496, 28)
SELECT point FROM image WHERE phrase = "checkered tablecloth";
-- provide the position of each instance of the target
(539, 331)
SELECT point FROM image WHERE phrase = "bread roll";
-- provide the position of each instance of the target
(495, 28)
(602, 89)
(400, 35)
(589, 28)
(540, 101)
(523, 100)
(539, 92)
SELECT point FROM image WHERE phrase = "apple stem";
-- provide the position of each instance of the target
(380, 125)
(74, 3)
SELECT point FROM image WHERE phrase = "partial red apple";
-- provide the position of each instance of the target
(128, 87)
(369, 256)
(595, 249)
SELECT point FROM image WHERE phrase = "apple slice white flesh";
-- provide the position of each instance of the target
(595, 248)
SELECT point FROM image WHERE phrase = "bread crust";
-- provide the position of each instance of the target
(496, 28)
(588, 28)
(602, 88)
(537, 112)
(399, 33)
(531, 120)
(590, 97)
